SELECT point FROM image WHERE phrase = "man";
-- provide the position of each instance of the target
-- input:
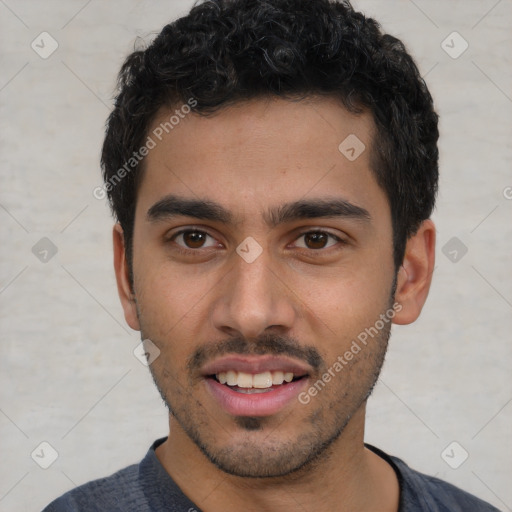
(272, 165)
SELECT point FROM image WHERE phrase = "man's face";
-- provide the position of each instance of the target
(263, 282)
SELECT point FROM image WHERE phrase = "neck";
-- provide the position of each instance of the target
(346, 477)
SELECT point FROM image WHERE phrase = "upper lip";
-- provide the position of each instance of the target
(254, 365)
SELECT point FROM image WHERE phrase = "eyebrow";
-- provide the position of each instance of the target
(175, 206)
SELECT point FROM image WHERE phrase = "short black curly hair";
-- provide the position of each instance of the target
(229, 51)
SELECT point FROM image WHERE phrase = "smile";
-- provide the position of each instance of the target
(259, 381)
(255, 386)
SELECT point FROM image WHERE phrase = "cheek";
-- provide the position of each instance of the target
(346, 304)
(170, 302)
(347, 293)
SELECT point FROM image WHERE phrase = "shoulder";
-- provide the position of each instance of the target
(425, 492)
(120, 491)
(142, 487)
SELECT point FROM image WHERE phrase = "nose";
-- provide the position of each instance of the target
(254, 298)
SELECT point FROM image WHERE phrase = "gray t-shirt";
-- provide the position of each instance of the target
(147, 487)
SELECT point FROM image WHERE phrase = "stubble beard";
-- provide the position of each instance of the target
(271, 456)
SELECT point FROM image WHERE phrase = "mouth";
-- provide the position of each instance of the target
(255, 386)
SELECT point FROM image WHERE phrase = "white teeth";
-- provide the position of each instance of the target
(231, 379)
(262, 380)
(244, 380)
(277, 378)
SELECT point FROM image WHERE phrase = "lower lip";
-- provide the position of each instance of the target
(255, 404)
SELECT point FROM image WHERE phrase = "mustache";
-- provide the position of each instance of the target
(266, 344)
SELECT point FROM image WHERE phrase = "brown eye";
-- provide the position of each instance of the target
(192, 239)
(316, 240)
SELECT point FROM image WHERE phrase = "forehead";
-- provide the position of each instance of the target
(261, 152)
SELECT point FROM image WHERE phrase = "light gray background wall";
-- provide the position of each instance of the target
(68, 373)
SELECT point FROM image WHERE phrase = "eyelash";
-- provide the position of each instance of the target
(189, 251)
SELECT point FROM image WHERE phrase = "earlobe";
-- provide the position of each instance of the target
(124, 286)
(415, 274)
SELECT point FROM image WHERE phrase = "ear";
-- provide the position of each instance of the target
(415, 274)
(123, 279)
